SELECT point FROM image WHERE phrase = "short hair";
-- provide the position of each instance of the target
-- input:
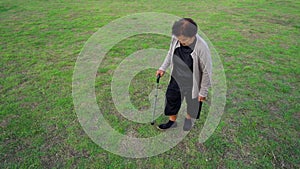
(185, 26)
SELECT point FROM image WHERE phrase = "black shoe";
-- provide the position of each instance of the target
(170, 124)
(187, 124)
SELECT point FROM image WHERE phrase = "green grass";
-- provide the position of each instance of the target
(258, 43)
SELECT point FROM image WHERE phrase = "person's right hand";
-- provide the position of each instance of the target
(160, 73)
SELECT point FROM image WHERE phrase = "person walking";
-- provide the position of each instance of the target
(191, 69)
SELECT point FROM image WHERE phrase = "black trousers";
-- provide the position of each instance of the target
(174, 97)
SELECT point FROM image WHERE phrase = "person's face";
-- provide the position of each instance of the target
(186, 41)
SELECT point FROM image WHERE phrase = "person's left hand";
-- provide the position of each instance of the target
(201, 99)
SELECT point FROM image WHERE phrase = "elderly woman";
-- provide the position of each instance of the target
(191, 69)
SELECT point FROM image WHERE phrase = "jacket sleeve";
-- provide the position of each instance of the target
(206, 69)
(167, 60)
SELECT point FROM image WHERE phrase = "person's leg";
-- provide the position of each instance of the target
(173, 104)
(193, 111)
(173, 117)
(188, 116)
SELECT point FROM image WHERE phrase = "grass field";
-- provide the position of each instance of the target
(258, 43)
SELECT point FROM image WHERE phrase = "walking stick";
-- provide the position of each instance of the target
(156, 91)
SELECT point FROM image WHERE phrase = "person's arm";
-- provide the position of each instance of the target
(167, 60)
(206, 66)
